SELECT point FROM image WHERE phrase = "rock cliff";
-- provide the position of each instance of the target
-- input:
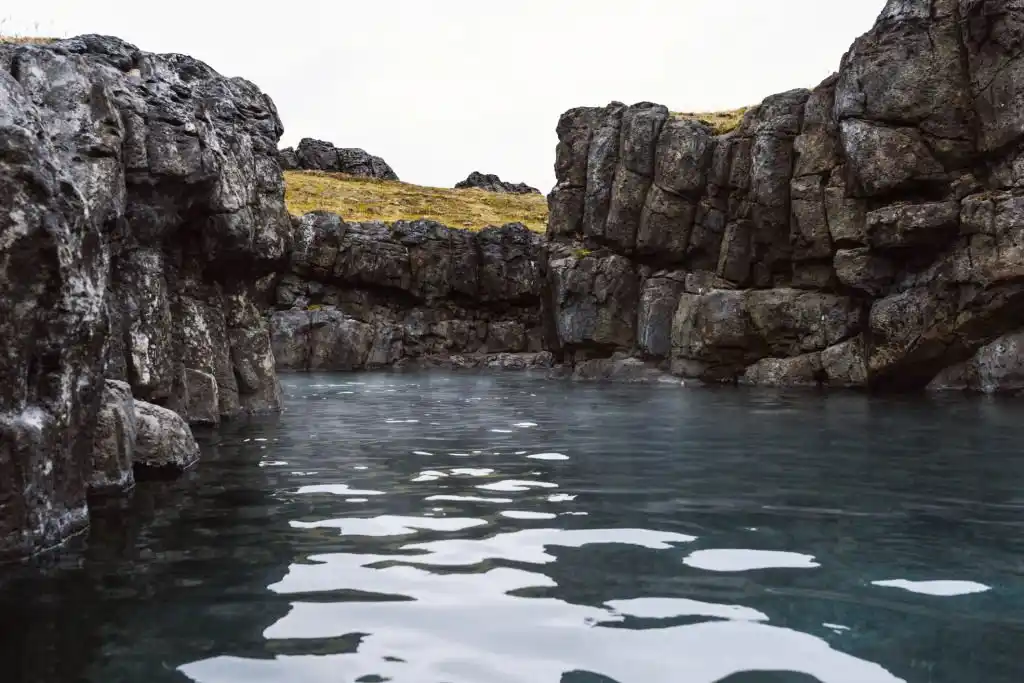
(143, 206)
(364, 295)
(868, 232)
(317, 155)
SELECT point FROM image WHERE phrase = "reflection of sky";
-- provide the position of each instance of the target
(464, 627)
(447, 556)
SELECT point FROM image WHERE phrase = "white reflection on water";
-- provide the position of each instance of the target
(938, 588)
(469, 627)
(740, 560)
(390, 525)
(338, 490)
(517, 485)
(666, 608)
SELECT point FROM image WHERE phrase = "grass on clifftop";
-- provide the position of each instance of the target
(720, 121)
(369, 199)
(26, 40)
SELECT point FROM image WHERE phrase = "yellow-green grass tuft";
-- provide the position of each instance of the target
(369, 199)
(27, 40)
(720, 121)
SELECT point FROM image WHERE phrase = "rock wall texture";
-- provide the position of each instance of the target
(869, 232)
(492, 183)
(317, 155)
(364, 295)
(143, 205)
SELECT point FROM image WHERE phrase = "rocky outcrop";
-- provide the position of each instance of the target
(365, 295)
(317, 155)
(142, 206)
(868, 232)
(492, 183)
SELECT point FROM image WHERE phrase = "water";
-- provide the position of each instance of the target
(443, 528)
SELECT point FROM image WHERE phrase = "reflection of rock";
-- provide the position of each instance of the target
(165, 443)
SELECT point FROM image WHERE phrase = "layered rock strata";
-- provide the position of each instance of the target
(365, 295)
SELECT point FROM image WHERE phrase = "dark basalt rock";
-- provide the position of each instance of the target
(492, 183)
(364, 295)
(868, 232)
(142, 204)
(317, 155)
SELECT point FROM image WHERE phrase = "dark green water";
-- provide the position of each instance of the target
(496, 529)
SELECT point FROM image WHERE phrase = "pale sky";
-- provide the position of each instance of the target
(444, 87)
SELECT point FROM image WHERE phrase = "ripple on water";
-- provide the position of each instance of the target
(528, 545)
(526, 514)
(936, 588)
(338, 490)
(390, 525)
(740, 560)
(668, 608)
(548, 456)
(469, 499)
(517, 485)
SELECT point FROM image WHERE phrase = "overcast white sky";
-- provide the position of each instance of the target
(443, 87)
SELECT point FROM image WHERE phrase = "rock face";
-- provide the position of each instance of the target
(114, 446)
(868, 232)
(143, 204)
(317, 155)
(492, 183)
(364, 295)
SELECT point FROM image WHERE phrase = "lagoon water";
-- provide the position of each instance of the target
(464, 528)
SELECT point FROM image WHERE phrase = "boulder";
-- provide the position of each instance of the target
(164, 443)
(318, 155)
(492, 183)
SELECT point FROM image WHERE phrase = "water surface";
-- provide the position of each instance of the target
(447, 528)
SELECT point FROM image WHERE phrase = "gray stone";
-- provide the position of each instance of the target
(203, 397)
(114, 444)
(164, 442)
